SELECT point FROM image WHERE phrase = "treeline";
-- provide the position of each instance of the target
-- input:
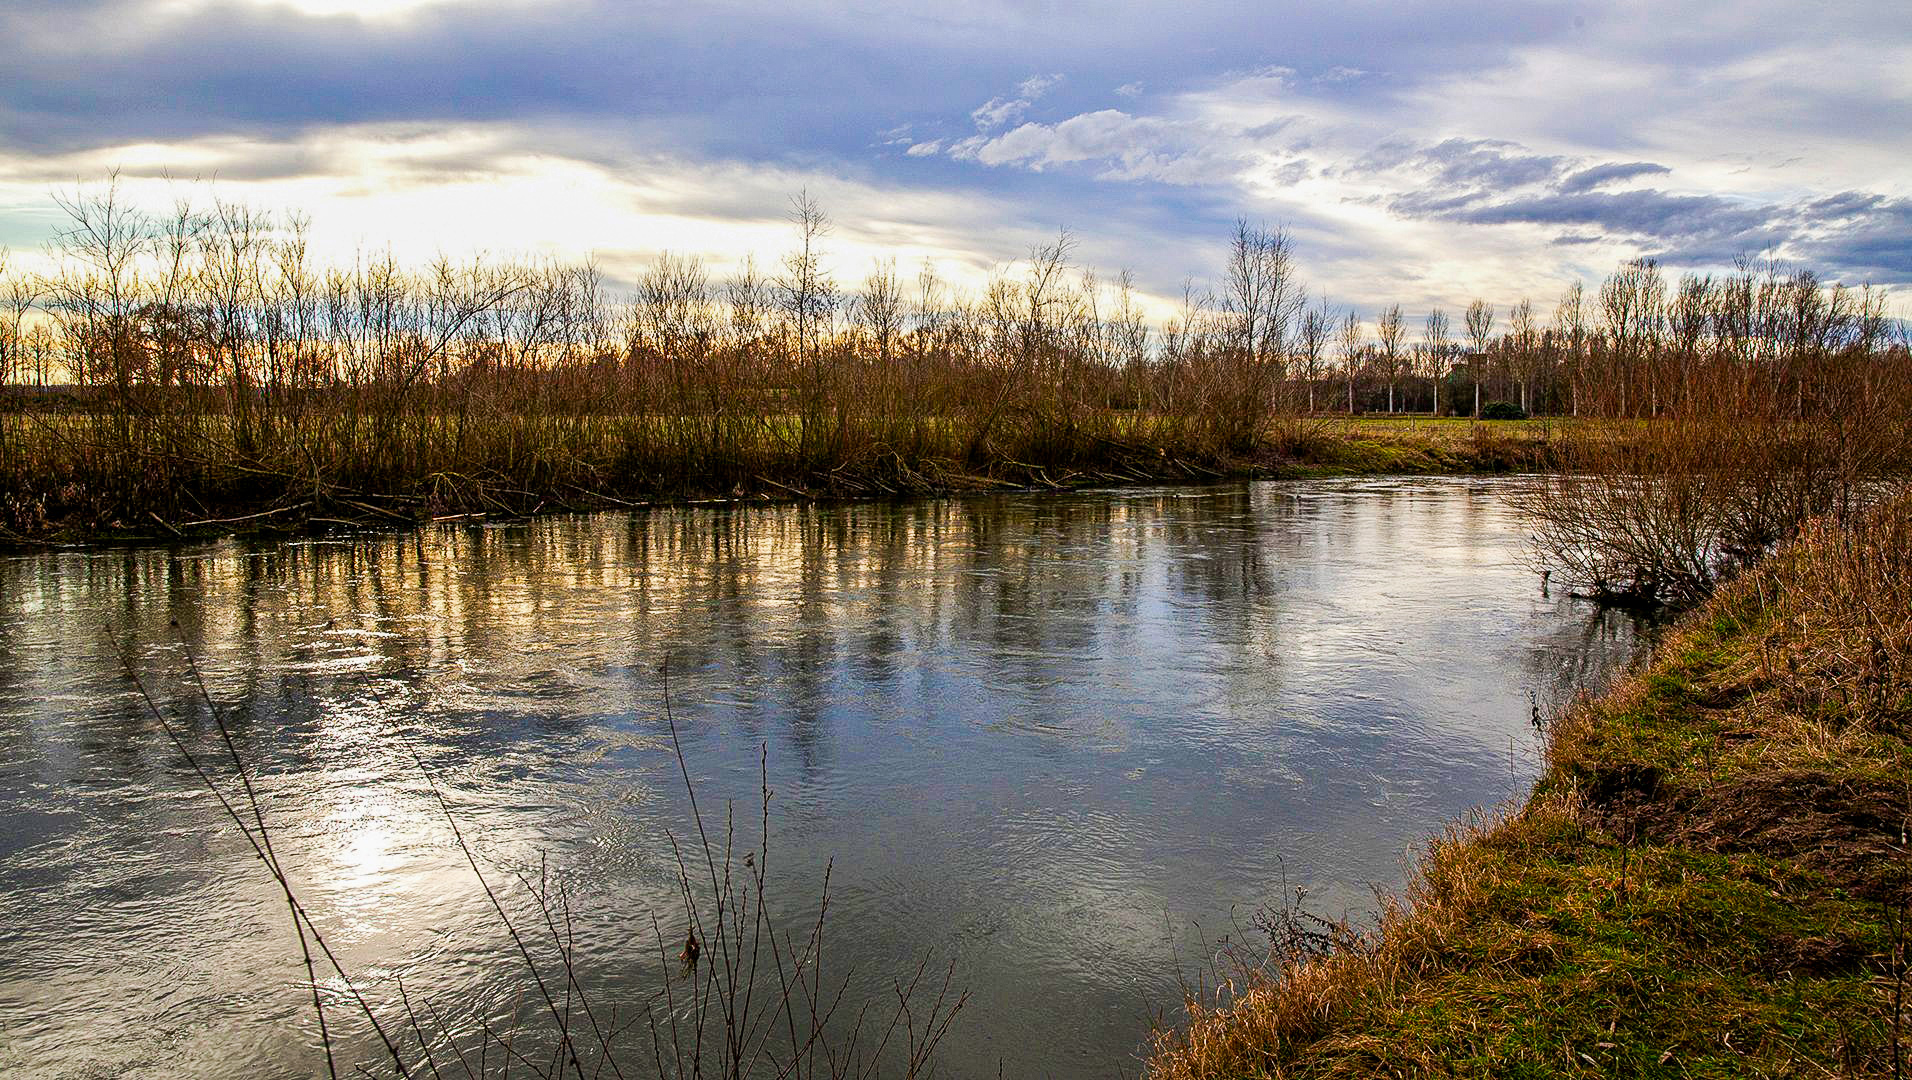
(1641, 346)
(216, 369)
(189, 367)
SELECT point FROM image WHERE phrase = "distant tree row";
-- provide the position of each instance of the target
(228, 297)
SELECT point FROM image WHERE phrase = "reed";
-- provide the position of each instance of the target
(200, 371)
(737, 999)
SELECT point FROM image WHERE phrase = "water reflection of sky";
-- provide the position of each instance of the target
(1059, 739)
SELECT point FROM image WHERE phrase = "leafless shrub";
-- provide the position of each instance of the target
(1762, 431)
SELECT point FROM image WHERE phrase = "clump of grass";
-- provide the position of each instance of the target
(1708, 880)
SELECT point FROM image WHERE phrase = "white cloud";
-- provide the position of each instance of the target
(364, 10)
(1484, 193)
(1128, 147)
(497, 190)
(1000, 112)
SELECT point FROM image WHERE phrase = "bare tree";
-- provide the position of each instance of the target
(1317, 326)
(37, 350)
(18, 294)
(1128, 330)
(1263, 296)
(1046, 300)
(1632, 305)
(674, 316)
(105, 236)
(1388, 332)
(747, 294)
(1525, 352)
(231, 251)
(1570, 329)
(1439, 345)
(810, 303)
(1351, 350)
(1480, 331)
(809, 295)
(930, 309)
(879, 308)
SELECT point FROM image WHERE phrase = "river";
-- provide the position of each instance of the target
(1067, 743)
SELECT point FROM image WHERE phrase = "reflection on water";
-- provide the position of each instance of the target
(1062, 740)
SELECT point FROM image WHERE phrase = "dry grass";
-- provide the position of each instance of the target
(1709, 880)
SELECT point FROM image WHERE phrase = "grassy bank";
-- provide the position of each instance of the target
(76, 482)
(1710, 879)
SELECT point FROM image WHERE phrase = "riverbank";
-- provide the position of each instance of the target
(80, 497)
(1710, 878)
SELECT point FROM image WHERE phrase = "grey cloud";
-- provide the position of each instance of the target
(1852, 235)
(1489, 162)
(1291, 173)
(1595, 176)
(1429, 202)
(1651, 213)
(1457, 173)
(1496, 182)
(1868, 237)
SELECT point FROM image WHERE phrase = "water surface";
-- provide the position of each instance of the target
(1068, 742)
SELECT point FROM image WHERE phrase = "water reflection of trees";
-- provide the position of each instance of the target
(790, 614)
(803, 625)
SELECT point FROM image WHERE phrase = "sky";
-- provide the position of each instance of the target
(1418, 154)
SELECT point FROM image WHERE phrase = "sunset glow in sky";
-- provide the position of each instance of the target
(1420, 154)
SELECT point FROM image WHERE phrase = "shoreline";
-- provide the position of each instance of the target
(1708, 879)
(1368, 446)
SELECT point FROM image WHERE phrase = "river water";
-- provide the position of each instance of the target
(1068, 744)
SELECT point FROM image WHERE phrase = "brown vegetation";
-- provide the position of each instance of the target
(1743, 434)
(1711, 878)
(197, 370)
(216, 373)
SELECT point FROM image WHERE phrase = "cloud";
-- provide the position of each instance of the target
(1108, 134)
(1000, 111)
(1612, 173)
(1856, 235)
(1419, 149)
(1647, 213)
(1860, 236)
(1489, 163)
